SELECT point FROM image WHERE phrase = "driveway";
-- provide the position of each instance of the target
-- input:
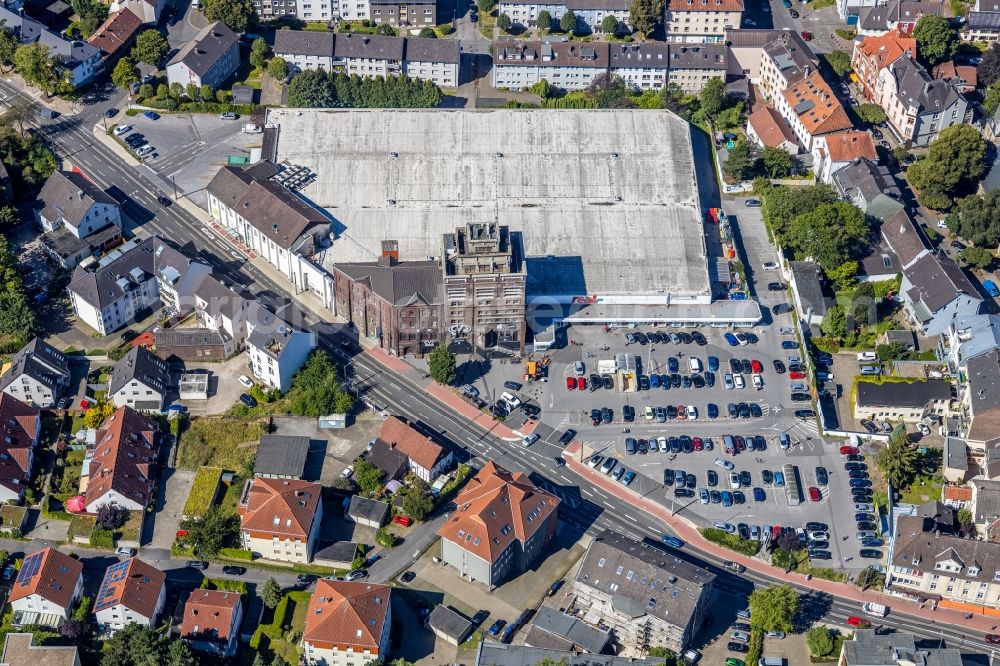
(175, 484)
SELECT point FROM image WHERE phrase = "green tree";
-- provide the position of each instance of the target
(209, 533)
(367, 476)
(316, 390)
(844, 275)
(898, 460)
(820, 641)
(418, 501)
(8, 45)
(714, 97)
(839, 62)
(646, 15)
(259, 52)
(831, 234)
(135, 645)
(892, 351)
(955, 162)
(191, 90)
(977, 257)
(277, 69)
(428, 33)
(784, 204)
(776, 162)
(486, 6)
(150, 47)
(96, 415)
(772, 608)
(385, 29)
(239, 15)
(441, 365)
(162, 91)
(310, 89)
(871, 578)
(544, 20)
(206, 93)
(176, 90)
(179, 654)
(870, 114)
(673, 97)
(991, 98)
(988, 69)
(125, 73)
(741, 164)
(567, 23)
(504, 22)
(937, 40)
(385, 538)
(978, 219)
(33, 63)
(270, 593)
(609, 25)
(9, 217)
(146, 90)
(834, 324)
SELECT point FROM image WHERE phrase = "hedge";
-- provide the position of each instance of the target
(275, 630)
(730, 541)
(235, 554)
(102, 538)
(54, 515)
(203, 491)
(756, 646)
(224, 584)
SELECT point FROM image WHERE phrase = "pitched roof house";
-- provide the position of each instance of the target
(20, 426)
(140, 380)
(424, 457)
(812, 110)
(346, 619)
(38, 374)
(212, 621)
(46, 588)
(874, 53)
(116, 34)
(833, 152)
(935, 292)
(208, 59)
(123, 466)
(502, 524)
(70, 199)
(132, 592)
(280, 518)
(768, 129)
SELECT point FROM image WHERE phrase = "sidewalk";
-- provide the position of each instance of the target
(57, 104)
(687, 531)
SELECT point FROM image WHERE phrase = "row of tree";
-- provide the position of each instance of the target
(318, 89)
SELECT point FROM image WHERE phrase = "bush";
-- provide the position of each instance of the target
(385, 538)
(236, 554)
(203, 491)
(102, 538)
(224, 584)
(730, 541)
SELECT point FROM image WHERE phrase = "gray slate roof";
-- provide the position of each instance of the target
(672, 589)
(378, 47)
(450, 623)
(369, 509)
(338, 551)
(269, 330)
(903, 236)
(937, 281)
(956, 453)
(793, 58)
(902, 394)
(400, 284)
(809, 287)
(425, 49)
(581, 635)
(976, 335)
(277, 212)
(492, 653)
(391, 461)
(983, 20)
(206, 48)
(917, 549)
(143, 366)
(190, 337)
(282, 455)
(987, 496)
(696, 56)
(871, 649)
(69, 195)
(916, 86)
(866, 179)
(741, 38)
(32, 31)
(983, 372)
(303, 42)
(40, 361)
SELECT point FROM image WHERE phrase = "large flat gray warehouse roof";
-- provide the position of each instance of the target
(606, 201)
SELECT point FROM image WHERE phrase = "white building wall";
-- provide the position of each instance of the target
(114, 497)
(700, 26)
(352, 10)
(518, 77)
(693, 80)
(442, 74)
(299, 62)
(117, 616)
(527, 14)
(31, 391)
(136, 391)
(35, 603)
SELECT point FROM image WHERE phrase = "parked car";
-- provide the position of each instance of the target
(152, 115)
(357, 574)
(232, 570)
(248, 400)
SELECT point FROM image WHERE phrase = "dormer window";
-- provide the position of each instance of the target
(973, 571)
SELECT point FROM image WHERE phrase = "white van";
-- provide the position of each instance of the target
(867, 356)
(771, 661)
(695, 365)
(511, 400)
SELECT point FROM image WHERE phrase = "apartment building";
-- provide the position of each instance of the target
(589, 13)
(304, 49)
(347, 623)
(702, 20)
(870, 648)
(767, 129)
(20, 428)
(574, 66)
(876, 52)
(81, 61)
(484, 279)
(116, 36)
(644, 596)
(811, 109)
(121, 470)
(745, 50)
(207, 60)
(982, 24)
(148, 11)
(46, 589)
(833, 152)
(280, 518)
(691, 66)
(909, 402)
(784, 61)
(417, 453)
(38, 374)
(132, 592)
(78, 218)
(899, 16)
(501, 526)
(276, 349)
(981, 401)
(211, 622)
(935, 292)
(397, 13)
(140, 379)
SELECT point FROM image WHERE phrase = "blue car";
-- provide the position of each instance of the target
(664, 382)
(713, 411)
(758, 495)
(779, 479)
(672, 541)
(731, 339)
(654, 381)
(627, 478)
(672, 365)
(713, 364)
(789, 344)
(727, 498)
(872, 543)
(152, 115)
(497, 627)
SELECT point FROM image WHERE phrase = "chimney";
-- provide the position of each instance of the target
(927, 87)
(390, 253)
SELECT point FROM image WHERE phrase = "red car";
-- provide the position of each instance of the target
(859, 622)
(181, 533)
(581, 383)
(993, 638)
(814, 494)
(682, 412)
(697, 444)
(571, 383)
(796, 374)
(806, 35)
(86, 404)
(848, 450)
(775, 532)
(756, 366)
(405, 521)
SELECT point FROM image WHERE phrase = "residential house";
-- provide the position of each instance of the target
(520, 64)
(148, 11)
(20, 426)
(115, 36)
(589, 13)
(122, 466)
(810, 291)
(784, 61)
(918, 107)
(212, 621)
(193, 344)
(369, 55)
(646, 597)
(935, 292)
(397, 13)
(691, 66)
(304, 49)
(141, 380)
(220, 311)
(870, 648)
(745, 50)
(280, 518)
(347, 623)
(982, 401)
(904, 238)
(702, 20)
(275, 223)
(485, 276)
(811, 109)
(850, 10)
(767, 129)
(368, 512)
(982, 24)
(552, 628)
(79, 60)
(78, 218)
(38, 374)
(899, 16)
(276, 348)
(909, 402)
(19, 651)
(207, 60)
(434, 60)
(132, 592)
(956, 460)
(833, 152)
(46, 589)
(962, 77)
(870, 186)
(875, 53)
(281, 457)
(967, 338)
(398, 304)
(132, 281)
(501, 526)
(424, 457)
(962, 574)
(986, 508)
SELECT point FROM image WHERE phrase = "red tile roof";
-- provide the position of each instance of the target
(419, 448)
(884, 49)
(209, 615)
(346, 614)
(851, 145)
(137, 588)
(817, 108)
(958, 493)
(124, 458)
(18, 436)
(495, 508)
(772, 129)
(54, 578)
(116, 32)
(284, 508)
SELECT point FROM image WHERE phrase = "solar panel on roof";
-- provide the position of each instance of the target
(115, 574)
(29, 568)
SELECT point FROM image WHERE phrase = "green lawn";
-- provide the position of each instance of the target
(130, 530)
(923, 488)
(203, 491)
(218, 441)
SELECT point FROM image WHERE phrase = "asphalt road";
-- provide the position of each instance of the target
(585, 508)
